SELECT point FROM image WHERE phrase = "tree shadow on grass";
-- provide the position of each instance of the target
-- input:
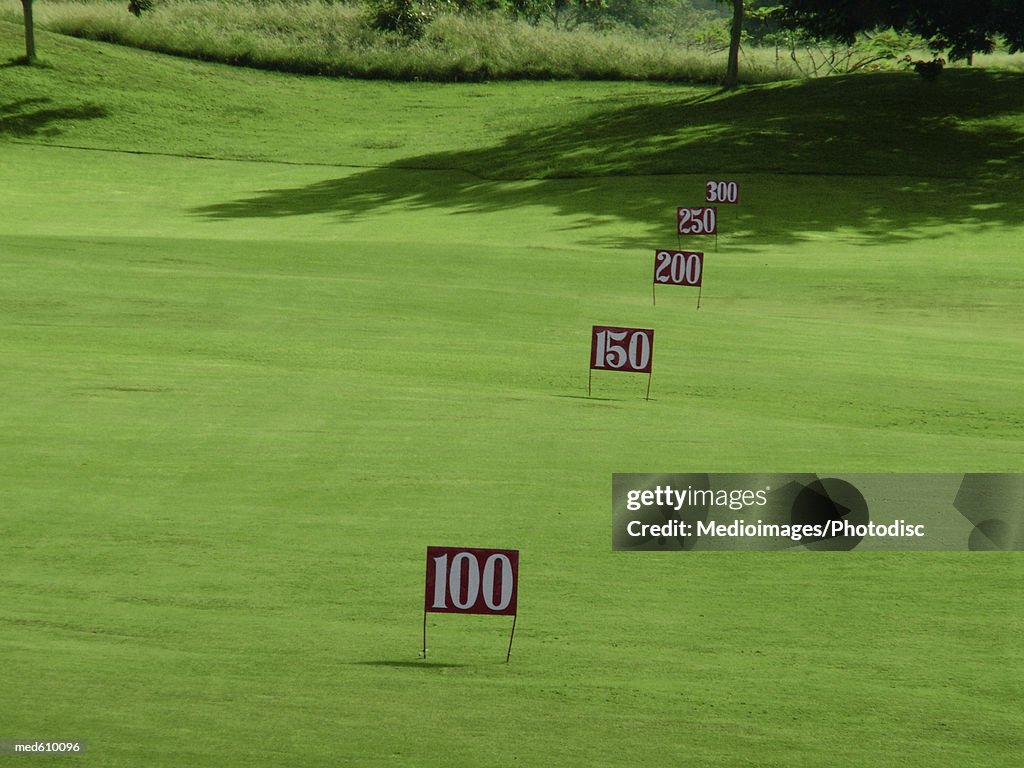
(28, 117)
(903, 154)
(407, 664)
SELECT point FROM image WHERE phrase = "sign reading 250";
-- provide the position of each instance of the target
(701, 220)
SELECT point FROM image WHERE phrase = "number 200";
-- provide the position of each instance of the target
(678, 267)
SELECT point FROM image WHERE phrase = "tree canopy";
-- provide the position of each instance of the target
(958, 27)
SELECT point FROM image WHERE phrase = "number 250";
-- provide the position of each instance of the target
(697, 221)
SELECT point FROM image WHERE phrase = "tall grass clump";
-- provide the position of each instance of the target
(340, 39)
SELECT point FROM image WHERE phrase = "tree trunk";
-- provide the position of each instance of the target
(30, 35)
(732, 72)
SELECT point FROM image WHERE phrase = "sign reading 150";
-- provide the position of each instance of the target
(621, 349)
(464, 580)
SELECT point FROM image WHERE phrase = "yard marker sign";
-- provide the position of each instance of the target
(722, 193)
(466, 580)
(621, 349)
(697, 220)
(727, 192)
(678, 268)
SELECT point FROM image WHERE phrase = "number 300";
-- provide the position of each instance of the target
(722, 192)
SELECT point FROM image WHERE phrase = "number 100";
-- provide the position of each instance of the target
(463, 576)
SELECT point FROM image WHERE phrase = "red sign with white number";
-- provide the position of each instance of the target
(621, 349)
(461, 580)
(701, 220)
(722, 192)
(678, 267)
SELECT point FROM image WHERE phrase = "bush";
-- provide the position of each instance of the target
(406, 17)
(136, 7)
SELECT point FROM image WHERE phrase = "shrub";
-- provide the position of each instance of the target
(406, 17)
(136, 7)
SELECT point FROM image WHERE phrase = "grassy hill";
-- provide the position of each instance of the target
(341, 39)
(268, 337)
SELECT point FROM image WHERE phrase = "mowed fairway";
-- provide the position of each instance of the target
(265, 339)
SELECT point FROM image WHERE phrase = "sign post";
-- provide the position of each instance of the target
(466, 580)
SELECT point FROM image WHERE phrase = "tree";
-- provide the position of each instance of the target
(30, 35)
(571, 13)
(960, 28)
(732, 69)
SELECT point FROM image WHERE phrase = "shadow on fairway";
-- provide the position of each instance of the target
(956, 146)
(28, 117)
(22, 61)
(589, 397)
(420, 664)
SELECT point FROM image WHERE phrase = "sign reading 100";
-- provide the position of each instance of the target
(466, 580)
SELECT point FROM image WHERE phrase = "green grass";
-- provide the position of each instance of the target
(114, 97)
(335, 39)
(266, 338)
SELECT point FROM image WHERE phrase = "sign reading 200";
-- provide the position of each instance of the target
(678, 267)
